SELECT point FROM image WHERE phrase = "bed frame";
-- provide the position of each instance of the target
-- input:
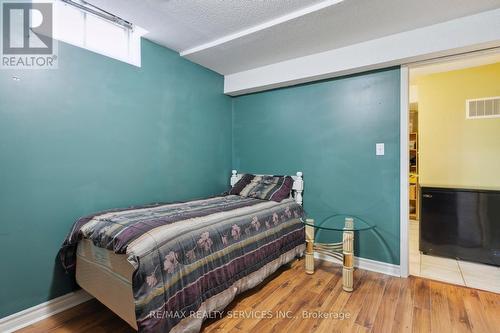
(297, 188)
(108, 276)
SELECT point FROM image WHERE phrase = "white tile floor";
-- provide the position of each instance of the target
(479, 276)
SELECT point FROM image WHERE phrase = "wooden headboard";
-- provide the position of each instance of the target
(297, 189)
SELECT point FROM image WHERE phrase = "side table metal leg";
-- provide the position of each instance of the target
(309, 260)
(348, 265)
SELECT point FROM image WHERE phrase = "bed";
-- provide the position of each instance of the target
(167, 267)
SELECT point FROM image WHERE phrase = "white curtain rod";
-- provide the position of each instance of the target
(90, 8)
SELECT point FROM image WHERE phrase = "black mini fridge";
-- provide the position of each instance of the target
(461, 223)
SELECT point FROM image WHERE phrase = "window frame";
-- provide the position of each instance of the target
(132, 35)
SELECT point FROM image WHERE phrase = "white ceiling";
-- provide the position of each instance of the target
(230, 36)
(184, 24)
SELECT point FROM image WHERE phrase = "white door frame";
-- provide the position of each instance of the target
(404, 255)
(404, 173)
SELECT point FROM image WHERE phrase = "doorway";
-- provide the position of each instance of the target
(453, 134)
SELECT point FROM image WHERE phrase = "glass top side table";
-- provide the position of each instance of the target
(343, 251)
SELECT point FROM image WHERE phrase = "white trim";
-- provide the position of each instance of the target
(39, 312)
(484, 117)
(459, 57)
(465, 34)
(404, 208)
(366, 264)
(262, 26)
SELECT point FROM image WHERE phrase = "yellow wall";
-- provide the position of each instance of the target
(455, 151)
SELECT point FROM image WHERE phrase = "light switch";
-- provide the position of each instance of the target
(379, 149)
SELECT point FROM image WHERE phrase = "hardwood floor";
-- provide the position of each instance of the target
(380, 303)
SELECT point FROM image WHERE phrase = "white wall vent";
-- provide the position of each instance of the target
(482, 108)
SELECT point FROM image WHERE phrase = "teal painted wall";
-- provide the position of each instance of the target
(95, 134)
(329, 130)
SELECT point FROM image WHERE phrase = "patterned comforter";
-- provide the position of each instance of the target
(185, 253)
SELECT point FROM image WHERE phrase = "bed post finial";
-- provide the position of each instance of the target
(298, 186)
(234, 177)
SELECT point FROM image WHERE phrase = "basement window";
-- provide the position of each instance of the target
(83, 25)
